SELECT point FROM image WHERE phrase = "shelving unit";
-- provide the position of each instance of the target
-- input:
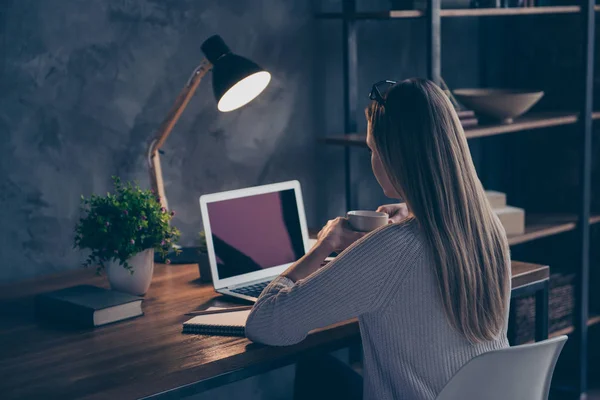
(581, 119)
(526, 123)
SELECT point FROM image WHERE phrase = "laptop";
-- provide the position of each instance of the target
(253, 235)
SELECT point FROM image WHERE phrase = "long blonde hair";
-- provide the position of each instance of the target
(424, 150)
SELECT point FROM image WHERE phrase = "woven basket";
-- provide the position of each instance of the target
(561, 307)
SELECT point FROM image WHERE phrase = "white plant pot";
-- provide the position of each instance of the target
(122, 280)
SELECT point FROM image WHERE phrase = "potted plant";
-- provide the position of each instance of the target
(123, 230)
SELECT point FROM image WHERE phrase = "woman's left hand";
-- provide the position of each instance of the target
(338, 235)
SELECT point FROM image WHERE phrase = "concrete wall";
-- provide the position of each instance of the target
(84, 84)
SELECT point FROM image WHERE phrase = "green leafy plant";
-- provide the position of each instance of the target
(119, 225)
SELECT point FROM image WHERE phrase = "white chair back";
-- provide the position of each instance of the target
(515, 373)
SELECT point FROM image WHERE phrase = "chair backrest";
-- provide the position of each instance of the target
(519, 372)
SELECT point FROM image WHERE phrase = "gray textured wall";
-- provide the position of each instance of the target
(84, 83)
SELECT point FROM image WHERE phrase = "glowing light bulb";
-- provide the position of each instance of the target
(244, 91)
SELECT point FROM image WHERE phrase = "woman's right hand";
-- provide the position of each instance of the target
(337, 235)
(396, 212)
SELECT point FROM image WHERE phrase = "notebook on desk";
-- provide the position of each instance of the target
(222, 324)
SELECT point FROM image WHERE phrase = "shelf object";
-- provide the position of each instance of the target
(454, 13)
(527, 122)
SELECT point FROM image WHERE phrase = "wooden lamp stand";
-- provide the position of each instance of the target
(166, 127)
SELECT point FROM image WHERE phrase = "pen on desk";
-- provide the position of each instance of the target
(219, 311)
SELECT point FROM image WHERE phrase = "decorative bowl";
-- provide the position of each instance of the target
(498, 104)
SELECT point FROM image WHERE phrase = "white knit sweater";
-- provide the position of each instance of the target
(388, 282)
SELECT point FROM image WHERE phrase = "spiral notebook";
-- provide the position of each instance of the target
(223, 324)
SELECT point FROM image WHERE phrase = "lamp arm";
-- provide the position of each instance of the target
(165, 128)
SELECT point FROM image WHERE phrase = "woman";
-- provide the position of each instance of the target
(431, 292)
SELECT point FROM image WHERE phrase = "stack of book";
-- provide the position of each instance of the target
(512, 218)
(467, 118)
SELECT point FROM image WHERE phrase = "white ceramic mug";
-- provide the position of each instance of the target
(367, 221)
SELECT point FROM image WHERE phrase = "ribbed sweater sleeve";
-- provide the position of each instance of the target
(360, 280)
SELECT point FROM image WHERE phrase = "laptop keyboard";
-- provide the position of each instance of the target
(252, 290)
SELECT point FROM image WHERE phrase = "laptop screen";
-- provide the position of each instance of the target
(255, 232)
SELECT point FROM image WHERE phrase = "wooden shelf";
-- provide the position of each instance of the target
(525, 123)
(367, 15)
(500, 12)
(596, 115)
(490, 12)
(565, 331)
(351, 139)
(593, 320)
(541, 226)
(536, 227)
(453, 13)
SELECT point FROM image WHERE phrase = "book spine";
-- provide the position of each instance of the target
(55, 310)
(465, 114)
(469, 122)
(214, 330)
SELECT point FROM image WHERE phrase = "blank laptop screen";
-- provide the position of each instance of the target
(255, 232)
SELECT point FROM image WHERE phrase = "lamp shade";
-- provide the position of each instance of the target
(236, 80)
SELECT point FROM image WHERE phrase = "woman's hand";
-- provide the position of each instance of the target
(337, 235)
(397, 212)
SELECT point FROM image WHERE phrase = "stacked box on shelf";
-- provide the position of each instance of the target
(512, 218)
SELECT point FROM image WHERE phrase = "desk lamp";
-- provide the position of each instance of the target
(236, 82)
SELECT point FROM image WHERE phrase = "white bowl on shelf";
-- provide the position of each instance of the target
(500, 105)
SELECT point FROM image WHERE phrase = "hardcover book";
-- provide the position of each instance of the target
(87, 306)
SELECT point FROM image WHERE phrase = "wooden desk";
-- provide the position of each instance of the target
(144, 356)
(135, 358)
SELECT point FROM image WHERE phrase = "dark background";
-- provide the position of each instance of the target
(84, 85)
